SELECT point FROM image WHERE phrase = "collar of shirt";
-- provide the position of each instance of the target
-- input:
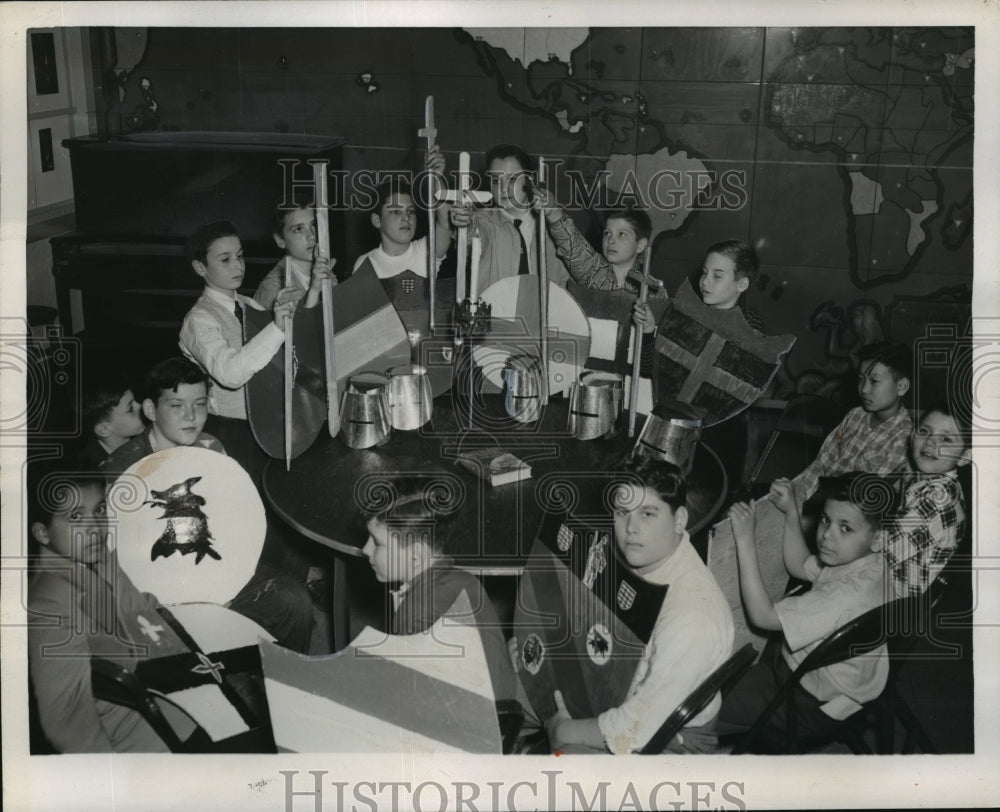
(397, 594)
(301, 272)
(527, 227)
(226, 301)
(872, 560)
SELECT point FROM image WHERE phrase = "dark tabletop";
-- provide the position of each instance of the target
(493, 527)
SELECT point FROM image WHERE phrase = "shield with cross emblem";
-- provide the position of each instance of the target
(712, 358)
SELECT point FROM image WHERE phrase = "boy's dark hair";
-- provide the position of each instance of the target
(636, 218)
(386, 189)
(100, 396)
(169, 374)
(664, 478)
(871, 494)
(501, 151)
(48, 485)
(198, 244)
(414, 511)
(896, 357)
(283, 207)
(742, 254)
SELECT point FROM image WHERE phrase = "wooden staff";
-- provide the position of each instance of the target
(289, 372)
(329, 352)
(645, 283)
(543, 293)
(429, 132)
(477, 252)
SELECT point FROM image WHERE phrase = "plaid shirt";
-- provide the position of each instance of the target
(920, 539)
(857, 445)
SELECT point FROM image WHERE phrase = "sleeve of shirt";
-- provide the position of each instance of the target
(806, 482)
(918, 543)
(202, 339)
(814, 615)
(578, 255)
(267, 290)
(681, 654)
(60, 674)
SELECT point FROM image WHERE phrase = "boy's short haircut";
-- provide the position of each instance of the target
(198, 244)
(414, 512)
(283, 207)
(48, 484)
(167, 375)
(636, 218)
(100, 396)
(664, 478)
(871, 494)
(955, 411)
(896, 357)
(386, 189)
(742, 254)
(502, 151)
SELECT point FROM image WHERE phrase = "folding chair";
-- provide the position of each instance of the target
(856, 637)
(719, 680)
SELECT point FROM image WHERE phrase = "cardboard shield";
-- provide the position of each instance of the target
(369, 335)
(514, 328)
(582, 619)
(712, 358)
(408, 694)
(190, 525)
(609, 313)
(204, 659)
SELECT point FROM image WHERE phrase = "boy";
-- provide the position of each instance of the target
(78, 600)
(396, 217)
(625, 237)
(176, 403)
(212, 337)
(405, 547)
(726, 274)
(693, 633)
(295, 234)
(872, 437)
(847, 581)
(920, 539)
(508, 228)
(111, 415)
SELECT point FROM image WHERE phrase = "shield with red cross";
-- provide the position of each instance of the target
(712, 358)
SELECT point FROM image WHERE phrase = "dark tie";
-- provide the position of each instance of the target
(522, 267)
(236, 310)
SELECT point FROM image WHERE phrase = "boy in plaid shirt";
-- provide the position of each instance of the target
(872, 437)
(920, 539)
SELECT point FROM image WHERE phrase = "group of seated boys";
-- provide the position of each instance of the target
(862, 556)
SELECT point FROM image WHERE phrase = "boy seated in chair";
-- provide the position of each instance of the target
(847, 580)
(405, 547)
(78, 599)
(693, 633)
(111, 416)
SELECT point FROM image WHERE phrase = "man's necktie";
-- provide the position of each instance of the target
(236, 310)
(522, 267)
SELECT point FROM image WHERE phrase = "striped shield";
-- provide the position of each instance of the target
(712, 358)
(582, 618)
(414, 694)
(369, 335)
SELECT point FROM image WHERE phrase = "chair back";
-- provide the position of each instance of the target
(719, 680)
(510, 715)
(114, 683)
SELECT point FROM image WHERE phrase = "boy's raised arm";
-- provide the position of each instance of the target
(794, 549)
(758, 603)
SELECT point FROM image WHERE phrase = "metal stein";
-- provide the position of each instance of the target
(409, 397)
(671, 432)
(365, 410)
(595, 402)
(522, 377)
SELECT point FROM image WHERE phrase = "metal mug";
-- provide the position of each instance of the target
(365, 410)
(595, 402)
(522, 377)
(410, 398)
(671, 432)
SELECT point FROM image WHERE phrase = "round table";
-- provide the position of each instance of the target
(493, 528)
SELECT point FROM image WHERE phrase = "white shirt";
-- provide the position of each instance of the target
(693, 636)
(414, 258)
(212, 337)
